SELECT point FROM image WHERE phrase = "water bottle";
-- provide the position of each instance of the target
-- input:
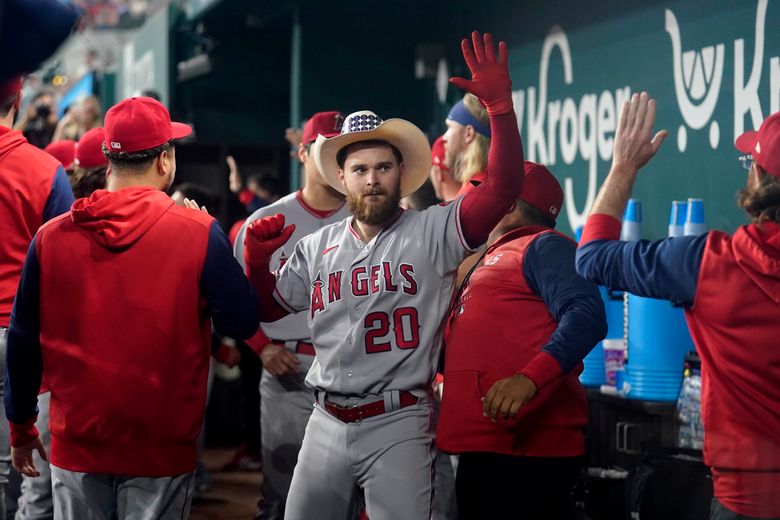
(632, 220)
(677, 218)
(694, 219)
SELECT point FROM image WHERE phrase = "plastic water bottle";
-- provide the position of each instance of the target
(694, 219)
(677, 218)
(632, 221)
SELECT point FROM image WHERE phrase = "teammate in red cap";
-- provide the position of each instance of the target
(64, 151)
(91, 165)
(118, 298)
(518, 457)
(285, 346)
(730, 288)
(33, 189)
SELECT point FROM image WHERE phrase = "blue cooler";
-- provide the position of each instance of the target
(658, 340)
(594, 373)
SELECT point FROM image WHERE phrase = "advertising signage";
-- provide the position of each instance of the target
(714, 69)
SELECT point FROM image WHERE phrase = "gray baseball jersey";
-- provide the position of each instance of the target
(307, 221)
(375, 309)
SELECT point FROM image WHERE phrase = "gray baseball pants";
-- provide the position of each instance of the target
(389, 456)
(95, 496)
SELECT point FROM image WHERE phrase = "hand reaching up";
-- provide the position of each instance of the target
(490, 80)
(635, 143)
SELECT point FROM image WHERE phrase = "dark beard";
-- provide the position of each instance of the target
(374, 215)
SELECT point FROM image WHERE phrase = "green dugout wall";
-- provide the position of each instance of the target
(712, 65)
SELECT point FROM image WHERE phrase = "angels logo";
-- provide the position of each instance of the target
(317, 301)
(493, 259)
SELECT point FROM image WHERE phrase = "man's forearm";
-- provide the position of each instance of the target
(615, 192)
(484, 207)
(264, 283)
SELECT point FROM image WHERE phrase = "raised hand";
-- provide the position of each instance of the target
(263, 237)
(635, 143)
(490, 80)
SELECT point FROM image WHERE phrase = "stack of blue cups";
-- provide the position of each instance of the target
(658, 336)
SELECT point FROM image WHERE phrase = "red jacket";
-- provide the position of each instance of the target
(734, 322)
(125, 332)
(26, 178)
(731, 288)
(499, 329)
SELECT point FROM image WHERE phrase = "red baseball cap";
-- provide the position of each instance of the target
(10, 87)
(89, 150)
(542, 190)
(63, 150)
(140, 123)
(437, 153)
(763, 145)
(327, 124)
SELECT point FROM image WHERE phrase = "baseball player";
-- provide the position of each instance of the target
(117, 298)
(33, 189)
(375, 288)
(729, 286)
(513, 451)
(285, 346)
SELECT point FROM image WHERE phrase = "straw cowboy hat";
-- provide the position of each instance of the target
(365, 126)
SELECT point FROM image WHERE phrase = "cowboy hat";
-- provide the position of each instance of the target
(366, 126)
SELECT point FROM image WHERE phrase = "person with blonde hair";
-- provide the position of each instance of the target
(467, 141)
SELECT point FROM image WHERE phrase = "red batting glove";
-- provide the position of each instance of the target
(263, 237)
(490, 78)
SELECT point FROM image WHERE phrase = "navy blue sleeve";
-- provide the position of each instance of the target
(666, 269)
(231, 300)
(60, 198)
(573, 302)
(24, 362)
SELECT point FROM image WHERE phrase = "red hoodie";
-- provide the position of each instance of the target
(26, 177)
(734, 323)
(125, 332)
(733, 314)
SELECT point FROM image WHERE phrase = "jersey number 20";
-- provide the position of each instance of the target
(406, 328)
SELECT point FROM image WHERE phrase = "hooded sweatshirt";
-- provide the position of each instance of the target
(115, 300)
(33, 189)
(730, 287)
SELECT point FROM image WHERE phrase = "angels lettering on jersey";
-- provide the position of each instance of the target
(362, 281)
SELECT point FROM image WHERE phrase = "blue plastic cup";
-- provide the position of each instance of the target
(632, 219)
(633, 211)
(694, 219)
(677, 218)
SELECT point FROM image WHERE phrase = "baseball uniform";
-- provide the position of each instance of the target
(374, 310)
(286, 402)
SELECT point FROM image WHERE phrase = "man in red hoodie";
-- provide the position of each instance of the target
(117, 299)
(730, 288)
(33, 189)
(513, 408)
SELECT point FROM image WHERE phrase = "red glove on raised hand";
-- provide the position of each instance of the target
(263, 237)
(490, 78)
